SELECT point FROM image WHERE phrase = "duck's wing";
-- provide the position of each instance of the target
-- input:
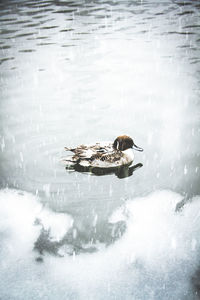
(103, 147)
(111, 157)
(103, 160)
(77, 150)
(78, 157)
(87, 153)
(110, 160)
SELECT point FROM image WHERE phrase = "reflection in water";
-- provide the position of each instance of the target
(75, 241)
(155, 249)
(120, 172)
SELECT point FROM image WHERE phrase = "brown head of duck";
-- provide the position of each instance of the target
(124, 142)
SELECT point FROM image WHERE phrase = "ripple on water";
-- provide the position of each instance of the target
(2, 60)
(9, 20)
(27, 50)
(8, 31)
(32, 25)
(5, 47)
(21, 35)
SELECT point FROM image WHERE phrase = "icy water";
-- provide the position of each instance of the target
(74, 72)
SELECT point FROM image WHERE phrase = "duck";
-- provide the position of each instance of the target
(103, 154)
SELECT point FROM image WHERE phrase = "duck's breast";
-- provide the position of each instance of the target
(128, 156)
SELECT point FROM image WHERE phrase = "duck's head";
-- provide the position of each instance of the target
(124, 142)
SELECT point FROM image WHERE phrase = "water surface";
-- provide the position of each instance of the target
(76, 72)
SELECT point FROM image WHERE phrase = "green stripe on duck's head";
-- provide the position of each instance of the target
(124, 142)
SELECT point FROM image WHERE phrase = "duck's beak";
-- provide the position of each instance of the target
(137, 148)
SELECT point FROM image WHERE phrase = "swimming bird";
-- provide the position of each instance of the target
(103, 155)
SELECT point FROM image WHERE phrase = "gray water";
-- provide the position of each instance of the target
(77, 72)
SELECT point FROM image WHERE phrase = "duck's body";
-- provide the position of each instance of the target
(103, 155)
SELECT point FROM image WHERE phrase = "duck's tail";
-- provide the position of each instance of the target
(69, 149)
(69, 161)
